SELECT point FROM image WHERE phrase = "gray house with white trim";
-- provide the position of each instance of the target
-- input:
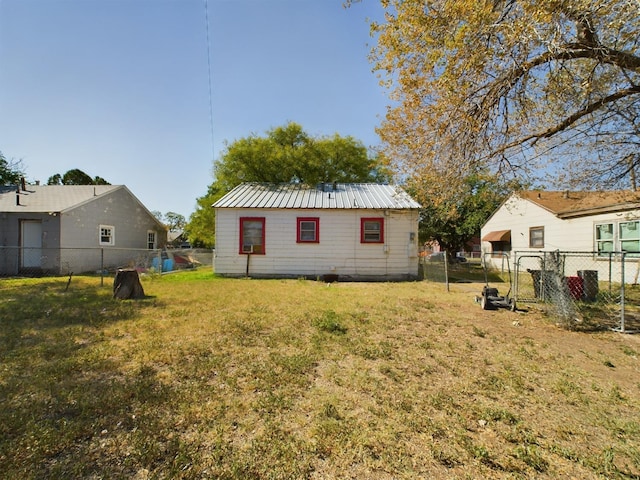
(357, 231)
(68, 228)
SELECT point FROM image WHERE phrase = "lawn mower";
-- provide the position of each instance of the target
(490, 299)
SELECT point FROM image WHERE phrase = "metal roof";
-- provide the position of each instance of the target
(50, 198)
(323, 196)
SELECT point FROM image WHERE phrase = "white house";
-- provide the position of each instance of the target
(72, 228)
(598, 222)
(331, 231)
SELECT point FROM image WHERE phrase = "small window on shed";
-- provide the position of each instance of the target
(252, 235)
(308, 230)
(536, 237)
(372, 230)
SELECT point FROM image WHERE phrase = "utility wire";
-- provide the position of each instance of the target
(206, 17)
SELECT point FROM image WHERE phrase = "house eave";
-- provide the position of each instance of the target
(625, 207)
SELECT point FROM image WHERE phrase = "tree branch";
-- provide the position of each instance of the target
(570, 120)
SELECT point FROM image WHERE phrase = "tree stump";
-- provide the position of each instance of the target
(127, 285)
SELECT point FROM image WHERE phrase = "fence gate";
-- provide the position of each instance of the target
(579, 288)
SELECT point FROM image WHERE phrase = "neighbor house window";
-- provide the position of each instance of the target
(308, 230)
(605, 241)
(536, 237)
(618, 237)
(107, 236)
(372, 230)
(151, 240)
(630, 237)
(252, 235)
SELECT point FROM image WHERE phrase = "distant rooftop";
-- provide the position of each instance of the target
(49, 198)
(322, 196)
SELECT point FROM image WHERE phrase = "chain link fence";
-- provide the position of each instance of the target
(441, 268)
(40, 262)
(580, 289)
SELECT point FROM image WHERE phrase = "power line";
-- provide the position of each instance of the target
(206, 17)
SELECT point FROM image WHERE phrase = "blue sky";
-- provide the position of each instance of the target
(120, 88)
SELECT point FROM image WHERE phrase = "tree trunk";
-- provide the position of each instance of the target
(127, 285)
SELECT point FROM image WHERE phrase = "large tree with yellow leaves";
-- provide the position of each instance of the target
(512, 84)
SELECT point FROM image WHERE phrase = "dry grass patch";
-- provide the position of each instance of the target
(273, 379)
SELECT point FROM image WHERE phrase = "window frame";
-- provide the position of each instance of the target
(315, 221)
(613, 236)
(536, 242)
(364, 231)
(635, 239)
(152, 244)
(601, 240)
(111, 235)
(241, 249)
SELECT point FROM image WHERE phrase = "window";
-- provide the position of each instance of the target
(151, 240)
(618, 237)
(536, 237)
(372, 230)
(308, 230)
(604, 238)
(630, 237)
(107, 235)
(252, 235)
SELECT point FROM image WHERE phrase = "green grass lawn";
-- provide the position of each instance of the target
(294, 379)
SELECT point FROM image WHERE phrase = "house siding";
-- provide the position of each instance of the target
(573, 234)
(81, 225)
(81, 249)
(70, 236)
(10, 241)
(339, 251)
(576, 234)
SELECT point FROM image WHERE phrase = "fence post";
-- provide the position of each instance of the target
(622, 280)
(516, 273)
(610, 272)
(446, 269)
(102, 267)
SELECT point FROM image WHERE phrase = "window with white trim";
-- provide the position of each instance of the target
(605, 241)
(629, 233)
(107, 235)
(151, 240)
(618, 237)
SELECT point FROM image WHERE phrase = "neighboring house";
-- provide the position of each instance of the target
(332, 231)
(599, 222)
(177, 239)
(470, 249)
(68, 228)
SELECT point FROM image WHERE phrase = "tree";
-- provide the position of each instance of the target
(286, 154)
(512, 84)
(201, 229)
(454, 222)
(10, 172)
(174, 221)
(75, 177)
